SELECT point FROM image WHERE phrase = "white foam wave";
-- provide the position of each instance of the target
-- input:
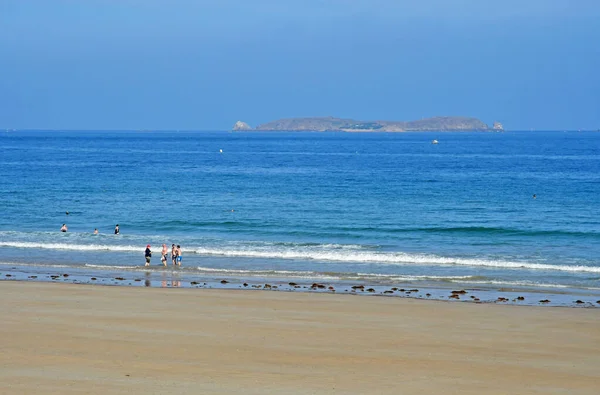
(72, 247)
(39, 265)
(269, 273)
(218, 270)
(110, 267)
(393, 258)
(415, 277)
(320, 254)
(518, 284)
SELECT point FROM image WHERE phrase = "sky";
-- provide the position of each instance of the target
(203, 65)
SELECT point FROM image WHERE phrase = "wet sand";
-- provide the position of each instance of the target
(69, 338)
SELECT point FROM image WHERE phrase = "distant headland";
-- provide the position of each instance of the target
(332, 124)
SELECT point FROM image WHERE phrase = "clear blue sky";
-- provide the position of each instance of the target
(202, 65)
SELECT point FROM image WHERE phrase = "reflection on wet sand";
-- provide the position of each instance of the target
(170, 282)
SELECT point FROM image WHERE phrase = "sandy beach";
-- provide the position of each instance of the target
(66, 338)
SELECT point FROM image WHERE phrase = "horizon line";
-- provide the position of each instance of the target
(10, 130)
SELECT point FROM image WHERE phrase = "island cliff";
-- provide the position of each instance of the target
(322, 124)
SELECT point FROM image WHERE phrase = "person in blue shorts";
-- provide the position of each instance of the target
(178, 255)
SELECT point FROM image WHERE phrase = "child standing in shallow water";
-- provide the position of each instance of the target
(178, 255)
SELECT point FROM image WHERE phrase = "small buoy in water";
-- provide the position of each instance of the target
(221, 151)
(434, 141)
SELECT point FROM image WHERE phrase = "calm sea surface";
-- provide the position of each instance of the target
(370, 208)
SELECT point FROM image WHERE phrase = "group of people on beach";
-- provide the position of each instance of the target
(175, 255)
(175, 249)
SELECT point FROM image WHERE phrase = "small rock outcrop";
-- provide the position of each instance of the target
(239, 125)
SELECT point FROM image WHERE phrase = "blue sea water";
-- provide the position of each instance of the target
(379, 208)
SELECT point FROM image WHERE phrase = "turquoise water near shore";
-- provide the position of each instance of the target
(377, 208)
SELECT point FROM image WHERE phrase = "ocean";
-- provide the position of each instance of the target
(380, 209)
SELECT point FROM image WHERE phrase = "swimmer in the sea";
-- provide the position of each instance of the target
(117, 229)
(64, 228)
(95, 231)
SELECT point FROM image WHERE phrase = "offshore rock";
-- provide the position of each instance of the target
(239, 125)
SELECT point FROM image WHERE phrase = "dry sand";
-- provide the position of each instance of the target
(61, 339)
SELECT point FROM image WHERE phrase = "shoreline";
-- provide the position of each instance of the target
(170, 278)
(74, 338)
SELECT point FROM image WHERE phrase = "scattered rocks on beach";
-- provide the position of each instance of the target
(512, 297)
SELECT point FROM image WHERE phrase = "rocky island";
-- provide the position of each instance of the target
(332, 124)
(239, 125)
